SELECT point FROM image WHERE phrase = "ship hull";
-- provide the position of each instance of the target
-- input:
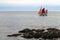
(43, 14)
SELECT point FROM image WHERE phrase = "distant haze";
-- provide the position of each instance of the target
(29, 4)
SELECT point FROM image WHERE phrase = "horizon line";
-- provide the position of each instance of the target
(28, 10)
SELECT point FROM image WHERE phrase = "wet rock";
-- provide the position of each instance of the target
(52, 29)
(51, 33)
(9, 35)
(33, 30)
(27, 35)
(40, 30)
(13, 35)
(38, 33)
(25, 30)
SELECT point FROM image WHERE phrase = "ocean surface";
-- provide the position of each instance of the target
(13, 21)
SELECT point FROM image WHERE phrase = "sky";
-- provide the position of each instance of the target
(27, 5)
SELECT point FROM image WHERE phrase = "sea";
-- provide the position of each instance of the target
(13, 21)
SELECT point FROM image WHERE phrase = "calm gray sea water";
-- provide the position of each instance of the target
(13, 21)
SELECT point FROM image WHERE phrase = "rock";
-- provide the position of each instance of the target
(25, 30)
(51, 33)
(9, 35)
(40, 30)
(13, 35)
(27, 35)
(52, 29)
(38, 33)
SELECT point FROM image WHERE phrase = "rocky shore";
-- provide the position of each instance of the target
(48, 33)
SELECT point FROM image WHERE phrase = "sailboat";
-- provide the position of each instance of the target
(43, 12)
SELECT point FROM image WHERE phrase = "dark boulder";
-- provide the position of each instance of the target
(24, 31)
(27, 35)
(13, 35)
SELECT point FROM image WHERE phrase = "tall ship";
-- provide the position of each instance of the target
(43, 12)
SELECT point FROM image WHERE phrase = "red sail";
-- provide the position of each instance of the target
(40, 11)
(43, 10)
